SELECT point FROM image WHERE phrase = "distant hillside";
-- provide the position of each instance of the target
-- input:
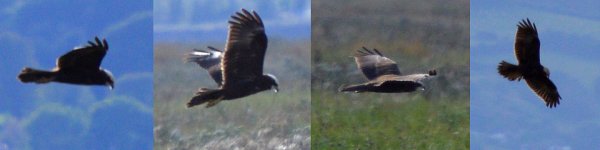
(185, 20)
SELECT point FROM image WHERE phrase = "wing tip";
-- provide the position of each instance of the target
(98, 43)
(555, 101)
(526, 23)
(243, 16)
(552, 105)
(365, 52)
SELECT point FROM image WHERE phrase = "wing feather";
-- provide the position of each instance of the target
(373, 64)
(407, 78)
(245, 49)
(208, 59)
(545, 89)
(527, 43)
(88, 57)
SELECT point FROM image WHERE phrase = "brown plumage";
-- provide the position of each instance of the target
(384, 75)
(527, 51)
(241, 64)
(79, 66)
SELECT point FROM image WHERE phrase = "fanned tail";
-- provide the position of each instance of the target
(28, 75)
(212, 96)
(509, 71)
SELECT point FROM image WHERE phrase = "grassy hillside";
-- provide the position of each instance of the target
(419, 36)
(266, 120)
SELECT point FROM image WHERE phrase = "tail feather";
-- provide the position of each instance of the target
(212, 96)
(509, 71)
(33, 75)
(351, 88)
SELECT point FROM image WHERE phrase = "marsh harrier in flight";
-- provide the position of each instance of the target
(384, 75)
(527, 51)
(79, 66)
(239, 69)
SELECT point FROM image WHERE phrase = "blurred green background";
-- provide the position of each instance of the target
(418, 35)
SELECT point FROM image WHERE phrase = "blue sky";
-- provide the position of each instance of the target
(203, 20)
(508, 115)
(34, 33)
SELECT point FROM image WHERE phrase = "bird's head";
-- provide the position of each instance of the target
(432, 72)
(109, 79)
(272, 82)
(547, 71)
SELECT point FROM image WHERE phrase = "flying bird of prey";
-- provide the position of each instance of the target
(79, 66)
(384, 75)
(527, 51)
(239, 69)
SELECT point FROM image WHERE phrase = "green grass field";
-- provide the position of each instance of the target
(419, 36)
(265, 120)
(389, 121)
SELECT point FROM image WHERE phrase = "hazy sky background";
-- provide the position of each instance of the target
(61, 116)
(508, 115)
(206, 20)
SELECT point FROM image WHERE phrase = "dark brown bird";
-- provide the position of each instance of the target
(527, 51)
(79, 66)
(383, 75)
(240, 65)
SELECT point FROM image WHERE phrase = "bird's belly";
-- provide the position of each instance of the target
(533, 73)
(397, 87)
(241, 91)
(83, 77)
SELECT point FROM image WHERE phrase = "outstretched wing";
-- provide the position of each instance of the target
(417, 78)
(88, 57)
(545, 89)
(245, 48)
(527, 43)
(373, 64)
(208, 59)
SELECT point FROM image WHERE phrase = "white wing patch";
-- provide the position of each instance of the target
(197, 53)
(414, 77)
(212, 54)
(109, 74)
(273, 77)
